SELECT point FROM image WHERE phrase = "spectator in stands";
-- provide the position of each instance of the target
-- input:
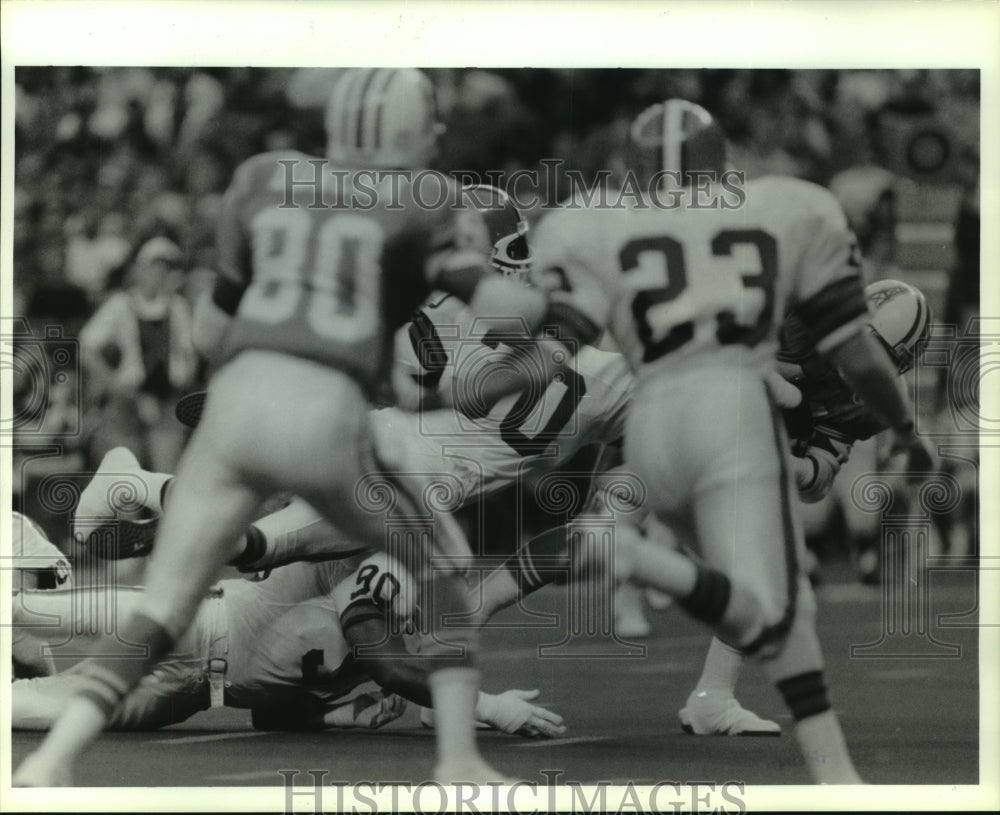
(137, 353)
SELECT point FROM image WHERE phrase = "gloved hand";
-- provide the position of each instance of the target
(512, 712)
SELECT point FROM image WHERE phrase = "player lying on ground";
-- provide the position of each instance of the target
(300, 322)
(37, 565)
(693, 295)
(300, 648)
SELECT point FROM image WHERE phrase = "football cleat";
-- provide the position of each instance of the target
(122, 540)
(116, 487)
(188, 408)
(717, 713)
(382, 118)
(900, 321)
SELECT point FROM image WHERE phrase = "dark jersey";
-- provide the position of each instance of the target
(323, 263)
(829, 406)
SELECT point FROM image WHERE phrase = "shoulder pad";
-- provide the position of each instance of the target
(801, 196)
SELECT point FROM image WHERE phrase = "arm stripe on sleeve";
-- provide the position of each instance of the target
(572, 323)
(832, 307)
(360, 611)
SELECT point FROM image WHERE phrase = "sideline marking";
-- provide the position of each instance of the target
(239, 734)
(558, 742)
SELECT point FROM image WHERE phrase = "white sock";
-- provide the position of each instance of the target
(455, 692)
(721, 671)
(155, 482)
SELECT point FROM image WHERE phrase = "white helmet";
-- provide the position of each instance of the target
(382, 118)
(900, 319)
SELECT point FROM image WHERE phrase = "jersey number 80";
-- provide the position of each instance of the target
(328, 265)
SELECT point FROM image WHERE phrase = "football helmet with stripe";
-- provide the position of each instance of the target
(687, 136)
(382, 118)
(901, 320)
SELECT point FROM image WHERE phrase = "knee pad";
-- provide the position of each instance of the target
(756, 624)
(710, 598)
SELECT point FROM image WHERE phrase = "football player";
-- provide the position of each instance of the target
(311, 284)
(829, 419)
(602, 395)
(443, 349)
(37, 564)
(824, 420)
(693, 294)
(299, 648)
(501, 454)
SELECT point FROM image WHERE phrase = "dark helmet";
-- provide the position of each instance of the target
(497, 227)
(686, 135)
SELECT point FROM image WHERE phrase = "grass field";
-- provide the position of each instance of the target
(908, 720)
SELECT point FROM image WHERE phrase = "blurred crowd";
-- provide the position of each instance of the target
(120, 174)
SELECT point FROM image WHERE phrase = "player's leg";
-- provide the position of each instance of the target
(211, 504)
(712, 708)
(36, 703)
(104, 518)
(325, 455)
(163, 698)
(747, 525)
(630, 613)
(295, 532)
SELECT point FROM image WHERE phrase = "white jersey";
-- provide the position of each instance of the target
(32, 551)
(695, 286)
(524, 432)
(284, 632)
(278, 641)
